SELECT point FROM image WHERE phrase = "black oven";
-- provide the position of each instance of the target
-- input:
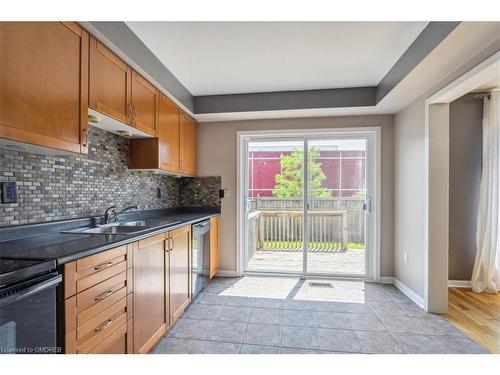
(28, 307)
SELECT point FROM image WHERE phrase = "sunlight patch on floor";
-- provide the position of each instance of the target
(262, 287)
(341, 291)
(294, 288)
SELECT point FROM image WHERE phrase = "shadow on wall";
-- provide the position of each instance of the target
(466, 114)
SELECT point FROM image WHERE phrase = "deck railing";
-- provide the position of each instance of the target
(352, 205)
(284, 230)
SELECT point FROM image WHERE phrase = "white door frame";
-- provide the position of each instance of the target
(373, 228)
(436, 216)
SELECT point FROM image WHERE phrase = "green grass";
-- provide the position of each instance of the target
(298, 245)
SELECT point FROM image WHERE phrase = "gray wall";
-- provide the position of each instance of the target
(410, 179)
(217, 157)
(465, 177)
(409, 197)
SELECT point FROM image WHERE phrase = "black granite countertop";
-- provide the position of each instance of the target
(45, 241)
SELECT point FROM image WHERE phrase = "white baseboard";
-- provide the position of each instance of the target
(386, 280)
(226, 273)
(460, 283)
(409, 293)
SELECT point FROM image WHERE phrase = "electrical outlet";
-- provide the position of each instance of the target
(9, 192)
(158, 193)
(405, 256)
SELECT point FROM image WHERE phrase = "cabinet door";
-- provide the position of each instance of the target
(168, 135)
(149, 292)
(109, 83)
(214, 245)
(144, 104)
(180, 275)
(44, 84)
(188, 145)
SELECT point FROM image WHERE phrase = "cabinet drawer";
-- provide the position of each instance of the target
(117, 343)
(97, 268)
(92, 311)
(94, 331)
(101, 292)
(112, 268)
(88, 265)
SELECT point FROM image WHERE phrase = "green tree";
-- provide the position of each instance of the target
(290, 182)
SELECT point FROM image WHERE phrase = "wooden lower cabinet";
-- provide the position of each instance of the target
(123, 300)
(214, 245)
(180, 275)
(149, 292)
(98, 302)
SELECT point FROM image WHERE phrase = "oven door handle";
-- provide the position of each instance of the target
(39, 287)
(23, 293)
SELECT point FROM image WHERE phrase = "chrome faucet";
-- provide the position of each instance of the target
(111, 215)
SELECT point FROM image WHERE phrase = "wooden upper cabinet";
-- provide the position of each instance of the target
(169, 135)
(119, 92)
(144, 104)
(110, 83)
(44, 84)
(174, 149)
(188, 143)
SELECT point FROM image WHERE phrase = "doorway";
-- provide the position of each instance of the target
(307, 203)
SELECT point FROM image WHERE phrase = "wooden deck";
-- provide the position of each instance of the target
(350, 262)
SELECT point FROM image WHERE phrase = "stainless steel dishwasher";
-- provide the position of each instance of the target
(200, 257)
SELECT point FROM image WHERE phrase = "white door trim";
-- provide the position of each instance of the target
(435, 220)
(375, 132)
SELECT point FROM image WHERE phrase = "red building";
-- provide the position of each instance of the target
(344, 171)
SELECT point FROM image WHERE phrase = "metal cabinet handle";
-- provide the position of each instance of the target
(129, 112)
(104, 325)
(103, 266)
(134, 114)
(85, 137)
(169, 244)
(103, 296)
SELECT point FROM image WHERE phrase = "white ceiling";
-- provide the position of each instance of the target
(447, 62)
(211, 58)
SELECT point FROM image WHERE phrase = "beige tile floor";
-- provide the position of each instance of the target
(286, 315)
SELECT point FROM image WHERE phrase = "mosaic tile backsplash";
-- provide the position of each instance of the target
(73, 186)
(199, 191)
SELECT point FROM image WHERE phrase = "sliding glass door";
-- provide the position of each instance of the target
(307, 218)
(336, 198)
(274, 205)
